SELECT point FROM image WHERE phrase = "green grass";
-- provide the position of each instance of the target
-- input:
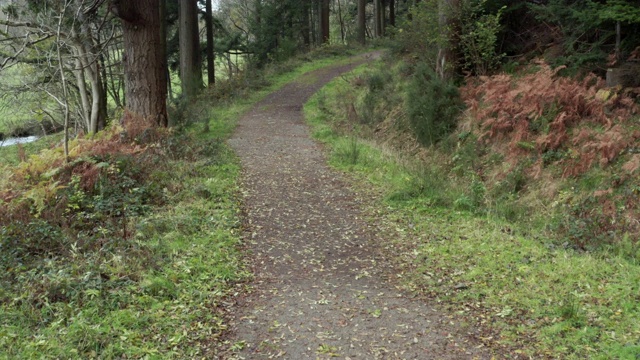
(275, 77)
(156, 293)
(541, 299)
(11, 154)
(153, 295)
(18, 107)
(15, 111)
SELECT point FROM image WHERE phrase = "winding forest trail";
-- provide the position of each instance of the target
(319, 291)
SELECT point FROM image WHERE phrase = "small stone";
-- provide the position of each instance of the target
(461, 286)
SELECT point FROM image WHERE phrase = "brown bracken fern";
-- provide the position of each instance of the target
(549, 112)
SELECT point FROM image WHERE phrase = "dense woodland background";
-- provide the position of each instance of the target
(69, 54)
(522, 114)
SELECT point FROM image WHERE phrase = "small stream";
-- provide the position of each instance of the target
(19, 140)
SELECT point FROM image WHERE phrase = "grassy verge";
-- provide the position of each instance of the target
(130, 250)
(151, 293)
(533, 297)
(12, 155)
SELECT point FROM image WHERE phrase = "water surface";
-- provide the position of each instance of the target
(20, 140)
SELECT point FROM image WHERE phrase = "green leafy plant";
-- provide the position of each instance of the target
(433, 106)
(422, 34)
(373, 108)
(478, 37)
(570, 310)
(351, 152)
(583, 32)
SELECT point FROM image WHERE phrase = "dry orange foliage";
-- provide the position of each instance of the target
(46, 170)
(548, 112)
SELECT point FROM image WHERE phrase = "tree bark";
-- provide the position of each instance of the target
(88, 69)
(89, 66)
(190, 64)
(314, 22)
(445, 63)
(82, 90)
(306, 27)
(102, 111)
(65, 94)
(392, 13)
(97, 97)
(342, 32)
(211, 66)
(229, 65)
(144, 63)
(324, 21)
(165, 50)
(378, 18)
(383, 16)
(362, 21)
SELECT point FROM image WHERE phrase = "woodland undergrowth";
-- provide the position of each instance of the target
(522, 219)
(96, 252)
(571, 131)
(130, 248)
(542, 112)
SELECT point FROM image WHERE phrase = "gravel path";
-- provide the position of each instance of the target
(320, 291)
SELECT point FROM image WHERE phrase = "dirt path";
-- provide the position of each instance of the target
(319, 291)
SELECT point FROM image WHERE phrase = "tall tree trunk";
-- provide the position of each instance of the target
(65, 94)
(211, 66)
(445, 63)
(306, 27)
(392, 12)
(258, 12)
(97, 97)
(88, 69)
(342, 35)
(383, 17)
(102, 78)
(362, 21)
(163, 38)
(378, 18)
(324, 20)
(190, 64)
(145, 78)
(102, 111)
(229, 64)
(313, 21)
(82, 90)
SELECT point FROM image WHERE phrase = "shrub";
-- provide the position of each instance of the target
(478, 38)
(374, 106)
(421, 35)
(433, 106)
(583, 33)
(471, 31)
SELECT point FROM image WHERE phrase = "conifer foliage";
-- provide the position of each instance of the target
(433, 106)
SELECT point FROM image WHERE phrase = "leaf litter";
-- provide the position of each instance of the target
(322, 288)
